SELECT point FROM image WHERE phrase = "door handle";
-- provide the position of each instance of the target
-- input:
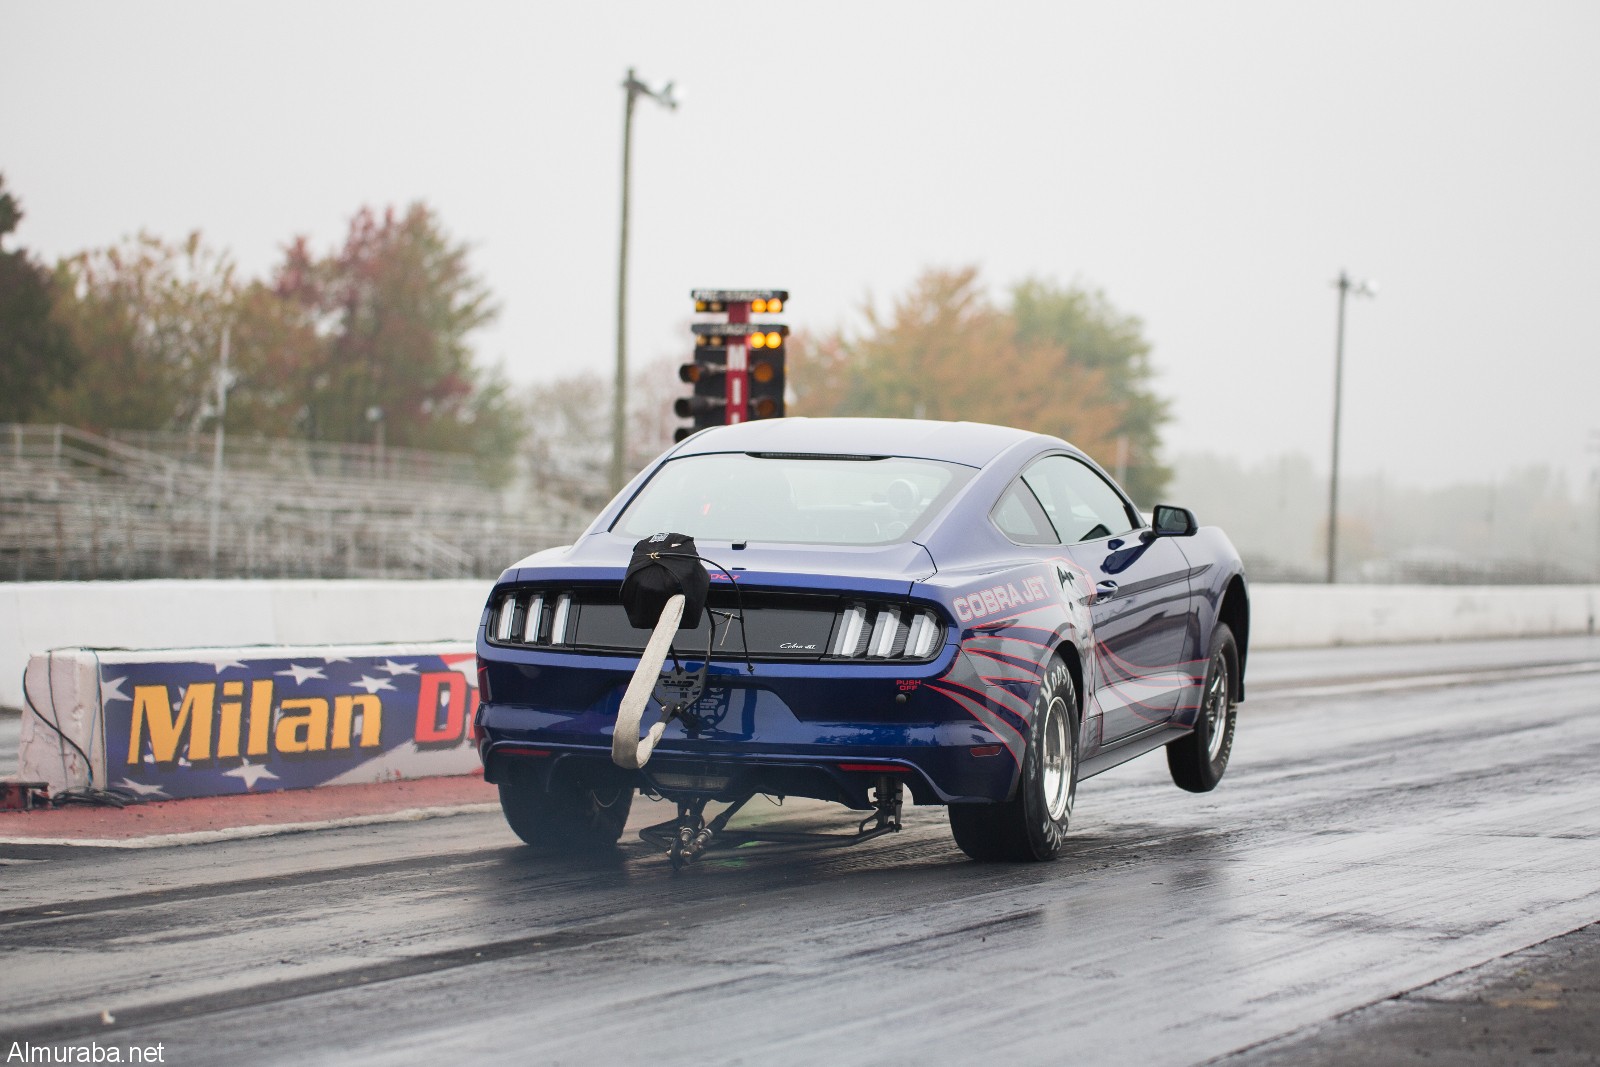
(1106, 589)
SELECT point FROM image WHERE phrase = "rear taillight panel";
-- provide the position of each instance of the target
(781, 626)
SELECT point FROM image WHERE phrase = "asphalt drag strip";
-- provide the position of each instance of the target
(155, 1013)
(1368, 852)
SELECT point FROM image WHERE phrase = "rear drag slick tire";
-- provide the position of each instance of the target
(572, 817)
(1198, 761)
(1032, 825)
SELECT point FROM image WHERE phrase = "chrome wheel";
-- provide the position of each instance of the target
(1056, 759)
(1215, 708)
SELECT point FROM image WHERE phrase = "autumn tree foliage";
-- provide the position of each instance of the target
(36, 352)
(376, 332)
(380, 328)
(1095, 336)
(569, 436)
(1059, 361)
(147, 315)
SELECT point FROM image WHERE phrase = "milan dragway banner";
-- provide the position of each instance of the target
(215, 721)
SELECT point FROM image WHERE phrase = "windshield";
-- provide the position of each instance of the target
(810, 499)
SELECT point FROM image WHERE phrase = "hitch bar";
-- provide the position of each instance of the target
(689, 836)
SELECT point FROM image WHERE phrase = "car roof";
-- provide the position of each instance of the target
(972, 443)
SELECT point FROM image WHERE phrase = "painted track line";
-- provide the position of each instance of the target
(1428, 681)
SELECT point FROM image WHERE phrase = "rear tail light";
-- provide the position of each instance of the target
(560, 619)
(505, 619)
(532, 619)
(535, 618)
(885, 631)
(851, 624)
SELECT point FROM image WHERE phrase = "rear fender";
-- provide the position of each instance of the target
(1011, 624)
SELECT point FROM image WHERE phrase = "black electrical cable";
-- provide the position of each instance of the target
(27, 698)
(104, 798)
(738, 598)
(115, 798)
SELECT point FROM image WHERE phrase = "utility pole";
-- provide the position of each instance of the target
(1346, 286)
(634, 88)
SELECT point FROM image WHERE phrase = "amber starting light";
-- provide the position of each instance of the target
(761, 372)
(759, 306)
(758, 340)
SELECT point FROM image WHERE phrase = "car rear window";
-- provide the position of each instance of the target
(793, 498)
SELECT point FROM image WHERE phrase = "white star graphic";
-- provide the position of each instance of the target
(372, 685)
(300, 674)
(250, 773)
(224, 664)
(111, 689)
(336, 659)
(466, 666)
(141, 788)
(398, 668)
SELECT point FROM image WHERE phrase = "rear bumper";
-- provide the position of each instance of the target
(816, 730)
(950, 775)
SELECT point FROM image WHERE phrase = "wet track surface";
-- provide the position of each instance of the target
(1373, 835)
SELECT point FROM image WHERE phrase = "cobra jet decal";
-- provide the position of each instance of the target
(997, 675)
(1003, 597)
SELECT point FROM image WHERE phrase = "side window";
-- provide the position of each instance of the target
(1020, 518)
(1080, 503)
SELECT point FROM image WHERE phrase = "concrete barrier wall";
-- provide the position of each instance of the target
(1310, 616)
(39, 616)
(205, 722)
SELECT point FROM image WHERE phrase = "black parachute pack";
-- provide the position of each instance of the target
(664, 565)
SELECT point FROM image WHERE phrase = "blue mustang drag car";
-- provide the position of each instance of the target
(974, 615)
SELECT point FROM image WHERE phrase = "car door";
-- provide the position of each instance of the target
(1141, 603)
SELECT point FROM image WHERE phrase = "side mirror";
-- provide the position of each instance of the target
(1169, 521)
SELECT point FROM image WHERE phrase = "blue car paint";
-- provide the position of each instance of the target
(1139, 657)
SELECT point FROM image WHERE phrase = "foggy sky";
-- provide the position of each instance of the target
(1211, 167)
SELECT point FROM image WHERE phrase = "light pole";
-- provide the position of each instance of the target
(223, 381)
(1346, 286)
(633, 88)
(375, 416)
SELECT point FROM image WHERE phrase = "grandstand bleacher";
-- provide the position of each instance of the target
(79, 505)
